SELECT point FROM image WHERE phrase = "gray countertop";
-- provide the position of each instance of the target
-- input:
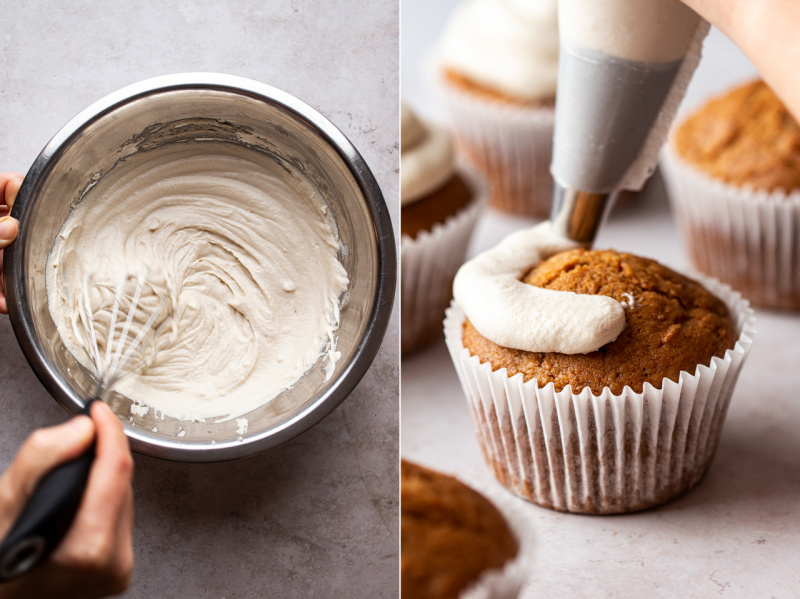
(318, 516)
(737, 533)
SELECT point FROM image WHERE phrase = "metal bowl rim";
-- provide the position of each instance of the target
(383, 295)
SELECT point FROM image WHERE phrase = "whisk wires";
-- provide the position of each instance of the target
(112, 363)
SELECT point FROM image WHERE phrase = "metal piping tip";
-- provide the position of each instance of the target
(577, 215)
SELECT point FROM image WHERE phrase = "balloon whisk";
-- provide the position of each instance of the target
(118, 335)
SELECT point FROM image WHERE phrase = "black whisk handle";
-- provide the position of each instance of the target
(47, 516)
(87, 409)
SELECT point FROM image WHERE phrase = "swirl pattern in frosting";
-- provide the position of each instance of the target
(242, 251)
(510, 46)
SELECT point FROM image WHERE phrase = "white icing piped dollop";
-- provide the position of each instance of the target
(426, 157)
(507, 45)
(516, 315)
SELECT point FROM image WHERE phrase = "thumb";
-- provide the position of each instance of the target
(10, 184)
(44, 449)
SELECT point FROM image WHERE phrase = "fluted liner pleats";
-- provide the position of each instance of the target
(428, 265)
(601, 454)
(511, 145)
(747, 238)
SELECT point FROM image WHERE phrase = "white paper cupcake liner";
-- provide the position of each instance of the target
(601, 454)
(507, 582)
(510, 145)
(428, 265)
(746, 238)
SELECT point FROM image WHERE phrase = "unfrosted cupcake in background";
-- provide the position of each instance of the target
(496, 68)
(598, 382)
(733, 175)
(439, 206)
(454, 542)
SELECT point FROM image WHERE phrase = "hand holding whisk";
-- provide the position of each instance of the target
(111, 348)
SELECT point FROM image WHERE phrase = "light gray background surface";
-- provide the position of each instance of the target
(737, 534)
(316, 517)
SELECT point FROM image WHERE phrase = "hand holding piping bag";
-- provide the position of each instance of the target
(766, 31)
(607, 133)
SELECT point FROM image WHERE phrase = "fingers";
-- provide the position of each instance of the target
(3, 302)
(8, 231)
(99, 542)
(93, 536)
(77, 571)
(9, 227)
(766, 32)
(123, 563)
(113, 467)
(42, 451)
(10, 184)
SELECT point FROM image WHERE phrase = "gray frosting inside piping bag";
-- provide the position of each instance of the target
(605, 109)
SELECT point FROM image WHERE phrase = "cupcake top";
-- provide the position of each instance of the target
(430, 188)
(450, 534)
(510, 46)
(426, 157)
(746, 137)
(673, 324)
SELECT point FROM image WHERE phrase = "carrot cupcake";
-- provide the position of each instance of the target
(496, 68)
(440, 205)
(733, 175)
(598, 382)
(454, 541)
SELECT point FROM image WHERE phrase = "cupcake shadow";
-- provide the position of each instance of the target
(755, 475)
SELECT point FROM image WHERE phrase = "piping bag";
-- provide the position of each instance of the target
(624, 66)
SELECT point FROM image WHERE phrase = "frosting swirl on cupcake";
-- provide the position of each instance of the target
(426, 157)
(514, 314)
(510, 46)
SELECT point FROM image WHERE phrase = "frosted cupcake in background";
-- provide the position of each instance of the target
(496, 68)
(733, 175)
(598, 382)
(440, 204)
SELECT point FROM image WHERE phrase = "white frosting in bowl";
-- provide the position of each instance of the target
(507, 45)
(426, 157)
(516, 315)
(241, 249)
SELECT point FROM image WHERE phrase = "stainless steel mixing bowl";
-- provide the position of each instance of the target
(211, 108)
